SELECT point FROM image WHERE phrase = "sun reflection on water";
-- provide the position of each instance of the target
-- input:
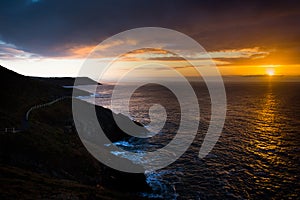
(266, 142)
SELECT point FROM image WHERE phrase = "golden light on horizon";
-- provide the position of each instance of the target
(270, 71)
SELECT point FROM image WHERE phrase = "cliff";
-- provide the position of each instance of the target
(48, 160)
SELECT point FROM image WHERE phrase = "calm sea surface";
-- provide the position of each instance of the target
(256, 157)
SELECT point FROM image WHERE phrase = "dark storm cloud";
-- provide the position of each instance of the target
(50, 27)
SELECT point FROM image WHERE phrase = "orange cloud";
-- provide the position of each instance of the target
(80, 51)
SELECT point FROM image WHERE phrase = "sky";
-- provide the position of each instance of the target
(54, 37)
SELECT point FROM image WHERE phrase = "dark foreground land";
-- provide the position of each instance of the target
(47, 159)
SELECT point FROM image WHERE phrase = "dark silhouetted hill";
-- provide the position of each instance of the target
(67, 81)
(48, 161)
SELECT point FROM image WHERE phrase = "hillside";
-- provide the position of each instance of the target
(48, 160)
(67, 81)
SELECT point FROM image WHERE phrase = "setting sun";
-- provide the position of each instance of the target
(270, 71)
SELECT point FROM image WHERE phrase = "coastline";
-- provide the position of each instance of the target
(51, 150)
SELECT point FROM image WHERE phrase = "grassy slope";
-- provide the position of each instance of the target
(19, 93)
(44, 162)
(18, 183)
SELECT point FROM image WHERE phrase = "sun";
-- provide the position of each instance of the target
(270, 71)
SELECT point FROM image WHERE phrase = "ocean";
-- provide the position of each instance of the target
(256, 157)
